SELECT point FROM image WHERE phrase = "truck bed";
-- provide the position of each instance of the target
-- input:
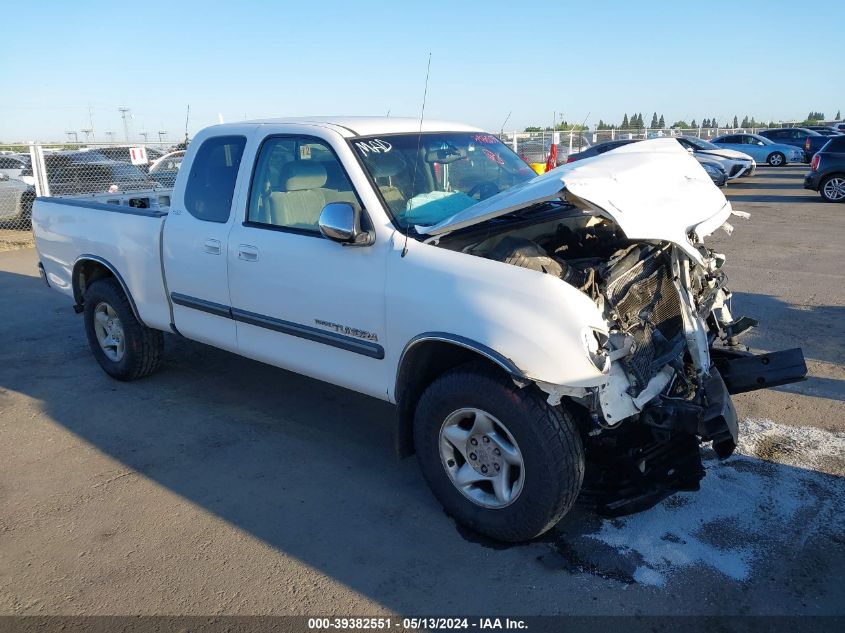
(122, 231)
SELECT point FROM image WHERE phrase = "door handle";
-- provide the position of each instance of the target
(211, 247)
(247, 253)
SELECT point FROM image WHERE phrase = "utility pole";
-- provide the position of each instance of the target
(161, 135)
(110, 135)
(124, 114)
(144, 135)
(88, 133)
(73, 134)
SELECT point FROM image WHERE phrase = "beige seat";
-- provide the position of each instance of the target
(303, 197)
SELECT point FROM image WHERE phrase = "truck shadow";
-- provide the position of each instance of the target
(309, 469)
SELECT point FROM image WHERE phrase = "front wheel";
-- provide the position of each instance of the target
(776, 159)
(832, 188)
(498, 458)
(125, 348)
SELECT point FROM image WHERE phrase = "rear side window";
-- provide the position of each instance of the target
(729, 139)
(836, 144)
(211, 183)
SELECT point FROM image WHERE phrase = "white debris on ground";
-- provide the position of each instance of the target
(783, 486)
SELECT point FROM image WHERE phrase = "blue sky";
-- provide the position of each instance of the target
(596, 59)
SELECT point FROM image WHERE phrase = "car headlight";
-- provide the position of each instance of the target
(595, 345)
(712, 170)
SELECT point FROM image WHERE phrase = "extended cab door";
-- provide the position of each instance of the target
(302, 301)
(196, 237)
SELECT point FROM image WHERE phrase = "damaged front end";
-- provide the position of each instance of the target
(669, 353)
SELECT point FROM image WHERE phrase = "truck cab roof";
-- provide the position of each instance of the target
(352, 126)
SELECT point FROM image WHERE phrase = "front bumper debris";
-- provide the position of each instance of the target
(747, 372)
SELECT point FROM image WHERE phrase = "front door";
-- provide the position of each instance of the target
(302, 301)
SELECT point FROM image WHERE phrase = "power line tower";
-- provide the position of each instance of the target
(124, 114)
(88, 133)
(162, 134)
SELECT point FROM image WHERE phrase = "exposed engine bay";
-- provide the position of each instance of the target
(670, 351)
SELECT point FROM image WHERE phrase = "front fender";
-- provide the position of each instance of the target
(534, 321)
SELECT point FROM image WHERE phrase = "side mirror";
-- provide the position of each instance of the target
(341, 222)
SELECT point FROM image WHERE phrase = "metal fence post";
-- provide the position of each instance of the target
(39, 170)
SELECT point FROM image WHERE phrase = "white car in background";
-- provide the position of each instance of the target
(13, 165)
(736, 164)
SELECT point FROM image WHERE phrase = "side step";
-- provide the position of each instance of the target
(748, 372)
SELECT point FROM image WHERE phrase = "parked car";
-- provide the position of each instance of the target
(761, 149)
(736, 164)
(16, 199)
(13, 165)
(165, 169)
(824, 130)
(827, 171)
(808, 140)
(714, 169)
(839, 127)
(121, 153)
(598, 148)
(539, 335)
(85, 172)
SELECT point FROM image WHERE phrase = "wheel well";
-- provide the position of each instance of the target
(86, 272)
(421, 364)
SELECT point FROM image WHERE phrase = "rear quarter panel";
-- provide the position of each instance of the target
(67, 231)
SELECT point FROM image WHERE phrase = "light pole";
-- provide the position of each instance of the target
(161, 135)
(124, 114)
(73, 134)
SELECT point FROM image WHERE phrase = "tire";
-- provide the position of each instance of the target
(136, 351)
(832, 188)
(776, 159)
(546, 440)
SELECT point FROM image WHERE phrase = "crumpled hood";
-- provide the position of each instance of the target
(654, 190)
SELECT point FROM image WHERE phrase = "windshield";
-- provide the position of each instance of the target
(426, 178)
(700, 143)
(766, 141)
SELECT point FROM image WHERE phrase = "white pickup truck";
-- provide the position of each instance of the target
(542, 336)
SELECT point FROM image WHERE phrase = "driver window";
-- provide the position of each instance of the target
(295, 177)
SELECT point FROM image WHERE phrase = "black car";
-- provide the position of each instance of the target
(827, 171)
(599, 148)
(81, 172)
(824, 130)
(808, 140)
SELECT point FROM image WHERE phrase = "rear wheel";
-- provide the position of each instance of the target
(125, 348)
(776, 159)
(832, 188)
(498, 458)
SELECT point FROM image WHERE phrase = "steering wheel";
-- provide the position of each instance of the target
(484, 190)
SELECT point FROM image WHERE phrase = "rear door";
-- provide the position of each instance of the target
(196, 237)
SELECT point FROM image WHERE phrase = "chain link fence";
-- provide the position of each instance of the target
(62, 169)
(534, 147)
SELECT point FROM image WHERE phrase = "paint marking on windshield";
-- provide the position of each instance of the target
(374, 146)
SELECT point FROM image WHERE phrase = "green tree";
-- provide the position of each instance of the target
(714, 122)
(625, 123)
(745, 122)
(680, 124)
(736, 122)
(533, 129)
(838, 115)
(654, 122)
(705, 123)
(693, 123)
(661, 123)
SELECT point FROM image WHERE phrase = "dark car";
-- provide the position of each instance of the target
(827, 171)
(599, 148)
(808, 140)
(824, 130)
(70, 173)
(121, 154)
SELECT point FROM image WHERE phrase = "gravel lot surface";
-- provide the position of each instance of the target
(224, 486)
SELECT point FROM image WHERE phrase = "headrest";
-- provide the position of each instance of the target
(386, 165)
(303, 174)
